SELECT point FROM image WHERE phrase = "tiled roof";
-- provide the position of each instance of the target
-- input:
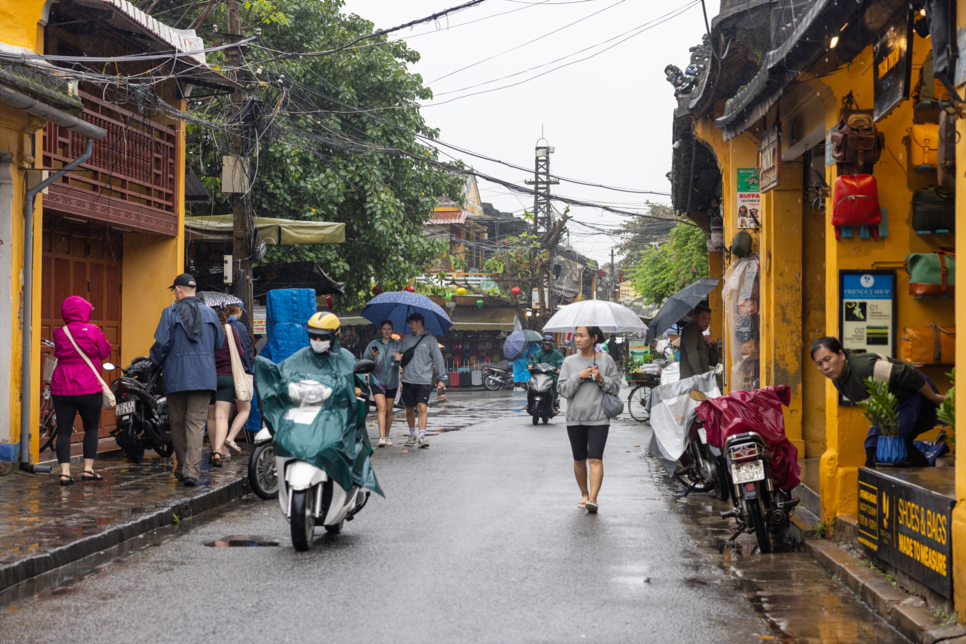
(448, 217)
(180, 40)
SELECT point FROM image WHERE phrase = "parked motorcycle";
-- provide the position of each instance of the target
(497, 376)
(142, 411)
(540, 403)
(704, 467)
(262, 468)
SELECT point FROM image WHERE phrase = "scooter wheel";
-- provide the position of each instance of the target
(262, 472)
(536, 419)
(335, 528)
(492, 383)
(303, 520)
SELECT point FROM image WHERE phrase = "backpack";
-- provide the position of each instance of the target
(741, 244)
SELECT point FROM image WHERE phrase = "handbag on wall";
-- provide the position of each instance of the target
(244, 385)
(856, 139)
(107, 396)
(932, 273)
(924, 145)
(934, 210)
(856, 199)
(931, 344)
(946, 150)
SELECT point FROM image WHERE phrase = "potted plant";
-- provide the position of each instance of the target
(880, 409)
(947, 410)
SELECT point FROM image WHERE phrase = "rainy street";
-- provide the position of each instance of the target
(478, 540)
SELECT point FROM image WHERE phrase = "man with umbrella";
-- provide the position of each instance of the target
(418, 355)
(699, 352)
(547, 354)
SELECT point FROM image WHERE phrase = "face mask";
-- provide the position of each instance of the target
(320, 346)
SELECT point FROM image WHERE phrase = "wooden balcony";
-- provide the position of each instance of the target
(130, 179)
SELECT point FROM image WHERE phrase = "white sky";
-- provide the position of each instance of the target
(609, 117)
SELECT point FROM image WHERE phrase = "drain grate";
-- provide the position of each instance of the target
(242, 541)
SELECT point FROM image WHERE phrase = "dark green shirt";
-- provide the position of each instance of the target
(901, 376)
(552, 358)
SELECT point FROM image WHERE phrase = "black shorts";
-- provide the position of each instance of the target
(413, 395)
(379, 390)
(587, 441)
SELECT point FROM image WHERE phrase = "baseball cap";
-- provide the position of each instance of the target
(183, 280)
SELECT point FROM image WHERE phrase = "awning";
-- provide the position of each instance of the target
(272, 231)
(442, 217)
(471, 318)
(279, 276)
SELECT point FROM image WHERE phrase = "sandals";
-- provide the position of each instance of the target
(69, 481)
(591, 507)
(90, 475)
(581, 504)
(213, 461)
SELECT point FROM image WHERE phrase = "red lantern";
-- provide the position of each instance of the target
(410, 289)
(377, 291)
(515, 290)
(328, 301)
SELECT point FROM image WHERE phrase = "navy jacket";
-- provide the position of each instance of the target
(187, 363)
(246, 342)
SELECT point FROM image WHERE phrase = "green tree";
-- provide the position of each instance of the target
(639, 234)
(664, 270)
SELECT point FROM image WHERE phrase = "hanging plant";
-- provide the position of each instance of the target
(880, 408)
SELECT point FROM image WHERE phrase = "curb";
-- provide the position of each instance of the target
(906, 613)
(204, 498)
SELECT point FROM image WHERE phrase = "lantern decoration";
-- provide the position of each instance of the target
(479, 304)
(377, 291)
(449, 296)
(328, 301)
(461, 291)
(515, 290)
(410, 289)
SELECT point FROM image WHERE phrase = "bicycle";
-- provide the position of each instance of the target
(639, 396)
(48, 417)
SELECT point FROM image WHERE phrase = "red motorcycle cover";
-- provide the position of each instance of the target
(758, 411)
(856, 203)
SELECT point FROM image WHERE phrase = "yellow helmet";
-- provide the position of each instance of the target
(324, 324)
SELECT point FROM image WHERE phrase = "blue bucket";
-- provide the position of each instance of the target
(891, 450)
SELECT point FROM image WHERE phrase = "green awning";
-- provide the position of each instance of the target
(272, 231)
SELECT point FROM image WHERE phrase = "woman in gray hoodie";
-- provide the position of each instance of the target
(584, 378)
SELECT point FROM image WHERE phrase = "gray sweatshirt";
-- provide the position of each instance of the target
(419, 371)
(585, 397)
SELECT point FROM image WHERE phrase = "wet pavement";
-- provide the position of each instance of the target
(479, 540)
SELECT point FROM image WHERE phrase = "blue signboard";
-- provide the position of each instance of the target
(867, 312)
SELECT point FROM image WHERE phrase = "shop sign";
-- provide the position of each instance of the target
(907, 526)
(867, 313)
(770, 153)
(749, 199)
(892, 65)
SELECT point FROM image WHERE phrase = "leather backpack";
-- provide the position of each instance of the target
(856, 139)
(856, 198)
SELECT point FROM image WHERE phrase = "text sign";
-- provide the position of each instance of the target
(868, 311)
(770, 151)
(748, 197)
(892, 65)
(909, 527)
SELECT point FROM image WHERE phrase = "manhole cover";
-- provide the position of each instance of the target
(241, 541)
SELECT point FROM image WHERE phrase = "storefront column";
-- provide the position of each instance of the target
(781, 294)
(959, 512)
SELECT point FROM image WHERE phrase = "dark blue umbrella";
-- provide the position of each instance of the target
(514, 345)
(396, 306)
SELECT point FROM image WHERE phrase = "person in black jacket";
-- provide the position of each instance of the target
(244, 407)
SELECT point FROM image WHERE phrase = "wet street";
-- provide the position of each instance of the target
(478, 540)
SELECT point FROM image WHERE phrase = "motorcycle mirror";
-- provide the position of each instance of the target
(699, 396)
(364, 366)
(108, 366)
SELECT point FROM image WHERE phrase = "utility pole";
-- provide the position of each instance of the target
(613, 277)
(241, 202)
(542, 211)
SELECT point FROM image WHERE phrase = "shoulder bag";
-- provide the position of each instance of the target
(931, 344)
(613, 405)
(244, 383)
(408, 354)
(107, 396)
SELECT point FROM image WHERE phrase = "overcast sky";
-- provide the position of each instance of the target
(609, 117)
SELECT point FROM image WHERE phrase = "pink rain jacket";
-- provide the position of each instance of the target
(73, 377)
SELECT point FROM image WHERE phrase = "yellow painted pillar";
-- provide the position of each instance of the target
(781, 294)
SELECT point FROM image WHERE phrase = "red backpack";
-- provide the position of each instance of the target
(856, 203)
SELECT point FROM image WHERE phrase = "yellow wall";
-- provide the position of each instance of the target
(18, 22)
(813, 327)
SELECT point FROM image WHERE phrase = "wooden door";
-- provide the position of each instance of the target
(85, 261)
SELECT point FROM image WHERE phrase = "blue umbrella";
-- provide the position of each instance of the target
(396, 306)
(514, 345)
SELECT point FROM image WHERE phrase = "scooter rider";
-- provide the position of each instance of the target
(547, 354)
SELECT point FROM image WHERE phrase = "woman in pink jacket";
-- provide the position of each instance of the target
(74, 386)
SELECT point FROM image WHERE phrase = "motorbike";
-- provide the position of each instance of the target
(760, 506)
(704, 468)
(540, 403)
(309, 493)
(262, 469)
(141, 411)
(497, 376)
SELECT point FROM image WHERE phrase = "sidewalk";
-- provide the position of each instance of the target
(44, 525)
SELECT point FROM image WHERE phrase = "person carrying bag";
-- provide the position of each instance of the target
(244, 385)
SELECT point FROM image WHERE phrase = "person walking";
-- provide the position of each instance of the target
(185, 342)
(219, 405)
(417, 375)
(385, 379)
(244, 407)
(75, 387)
(584, 379)
(615, 350)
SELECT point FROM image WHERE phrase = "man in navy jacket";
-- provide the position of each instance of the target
(185, 342)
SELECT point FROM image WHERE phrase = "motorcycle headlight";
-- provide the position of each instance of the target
(308, 392)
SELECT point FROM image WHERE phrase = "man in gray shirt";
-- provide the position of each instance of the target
(699, 352)
(417, 375)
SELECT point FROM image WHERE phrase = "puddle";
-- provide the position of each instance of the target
(242, 541)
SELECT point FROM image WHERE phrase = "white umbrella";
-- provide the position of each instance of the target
(609, 316)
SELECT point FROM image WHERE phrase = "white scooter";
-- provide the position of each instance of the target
(306, 493)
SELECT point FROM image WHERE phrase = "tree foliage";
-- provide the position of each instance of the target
(638, 234)
(661, 271)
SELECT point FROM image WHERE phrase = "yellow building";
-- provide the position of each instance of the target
(753, 144)
(110, 230)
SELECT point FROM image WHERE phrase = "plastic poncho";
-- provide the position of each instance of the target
(333, 439)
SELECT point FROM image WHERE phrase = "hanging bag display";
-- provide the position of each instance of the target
(924, 145)
(934, 210)
(856, 198)
(244, 385)
(856, 139)
(931, 344)
(107, 396)
(932, 273)
(946, 152)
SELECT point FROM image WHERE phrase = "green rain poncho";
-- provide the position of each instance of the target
(332, 440)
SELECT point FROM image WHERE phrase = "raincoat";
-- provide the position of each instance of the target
(553, 358)
(73, 377)
(333, 440)
(520, 373)
(187, 361)
(386, 374)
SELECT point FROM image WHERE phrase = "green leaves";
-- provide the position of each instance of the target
(662, 271)
(880, 408)
(947, 410)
